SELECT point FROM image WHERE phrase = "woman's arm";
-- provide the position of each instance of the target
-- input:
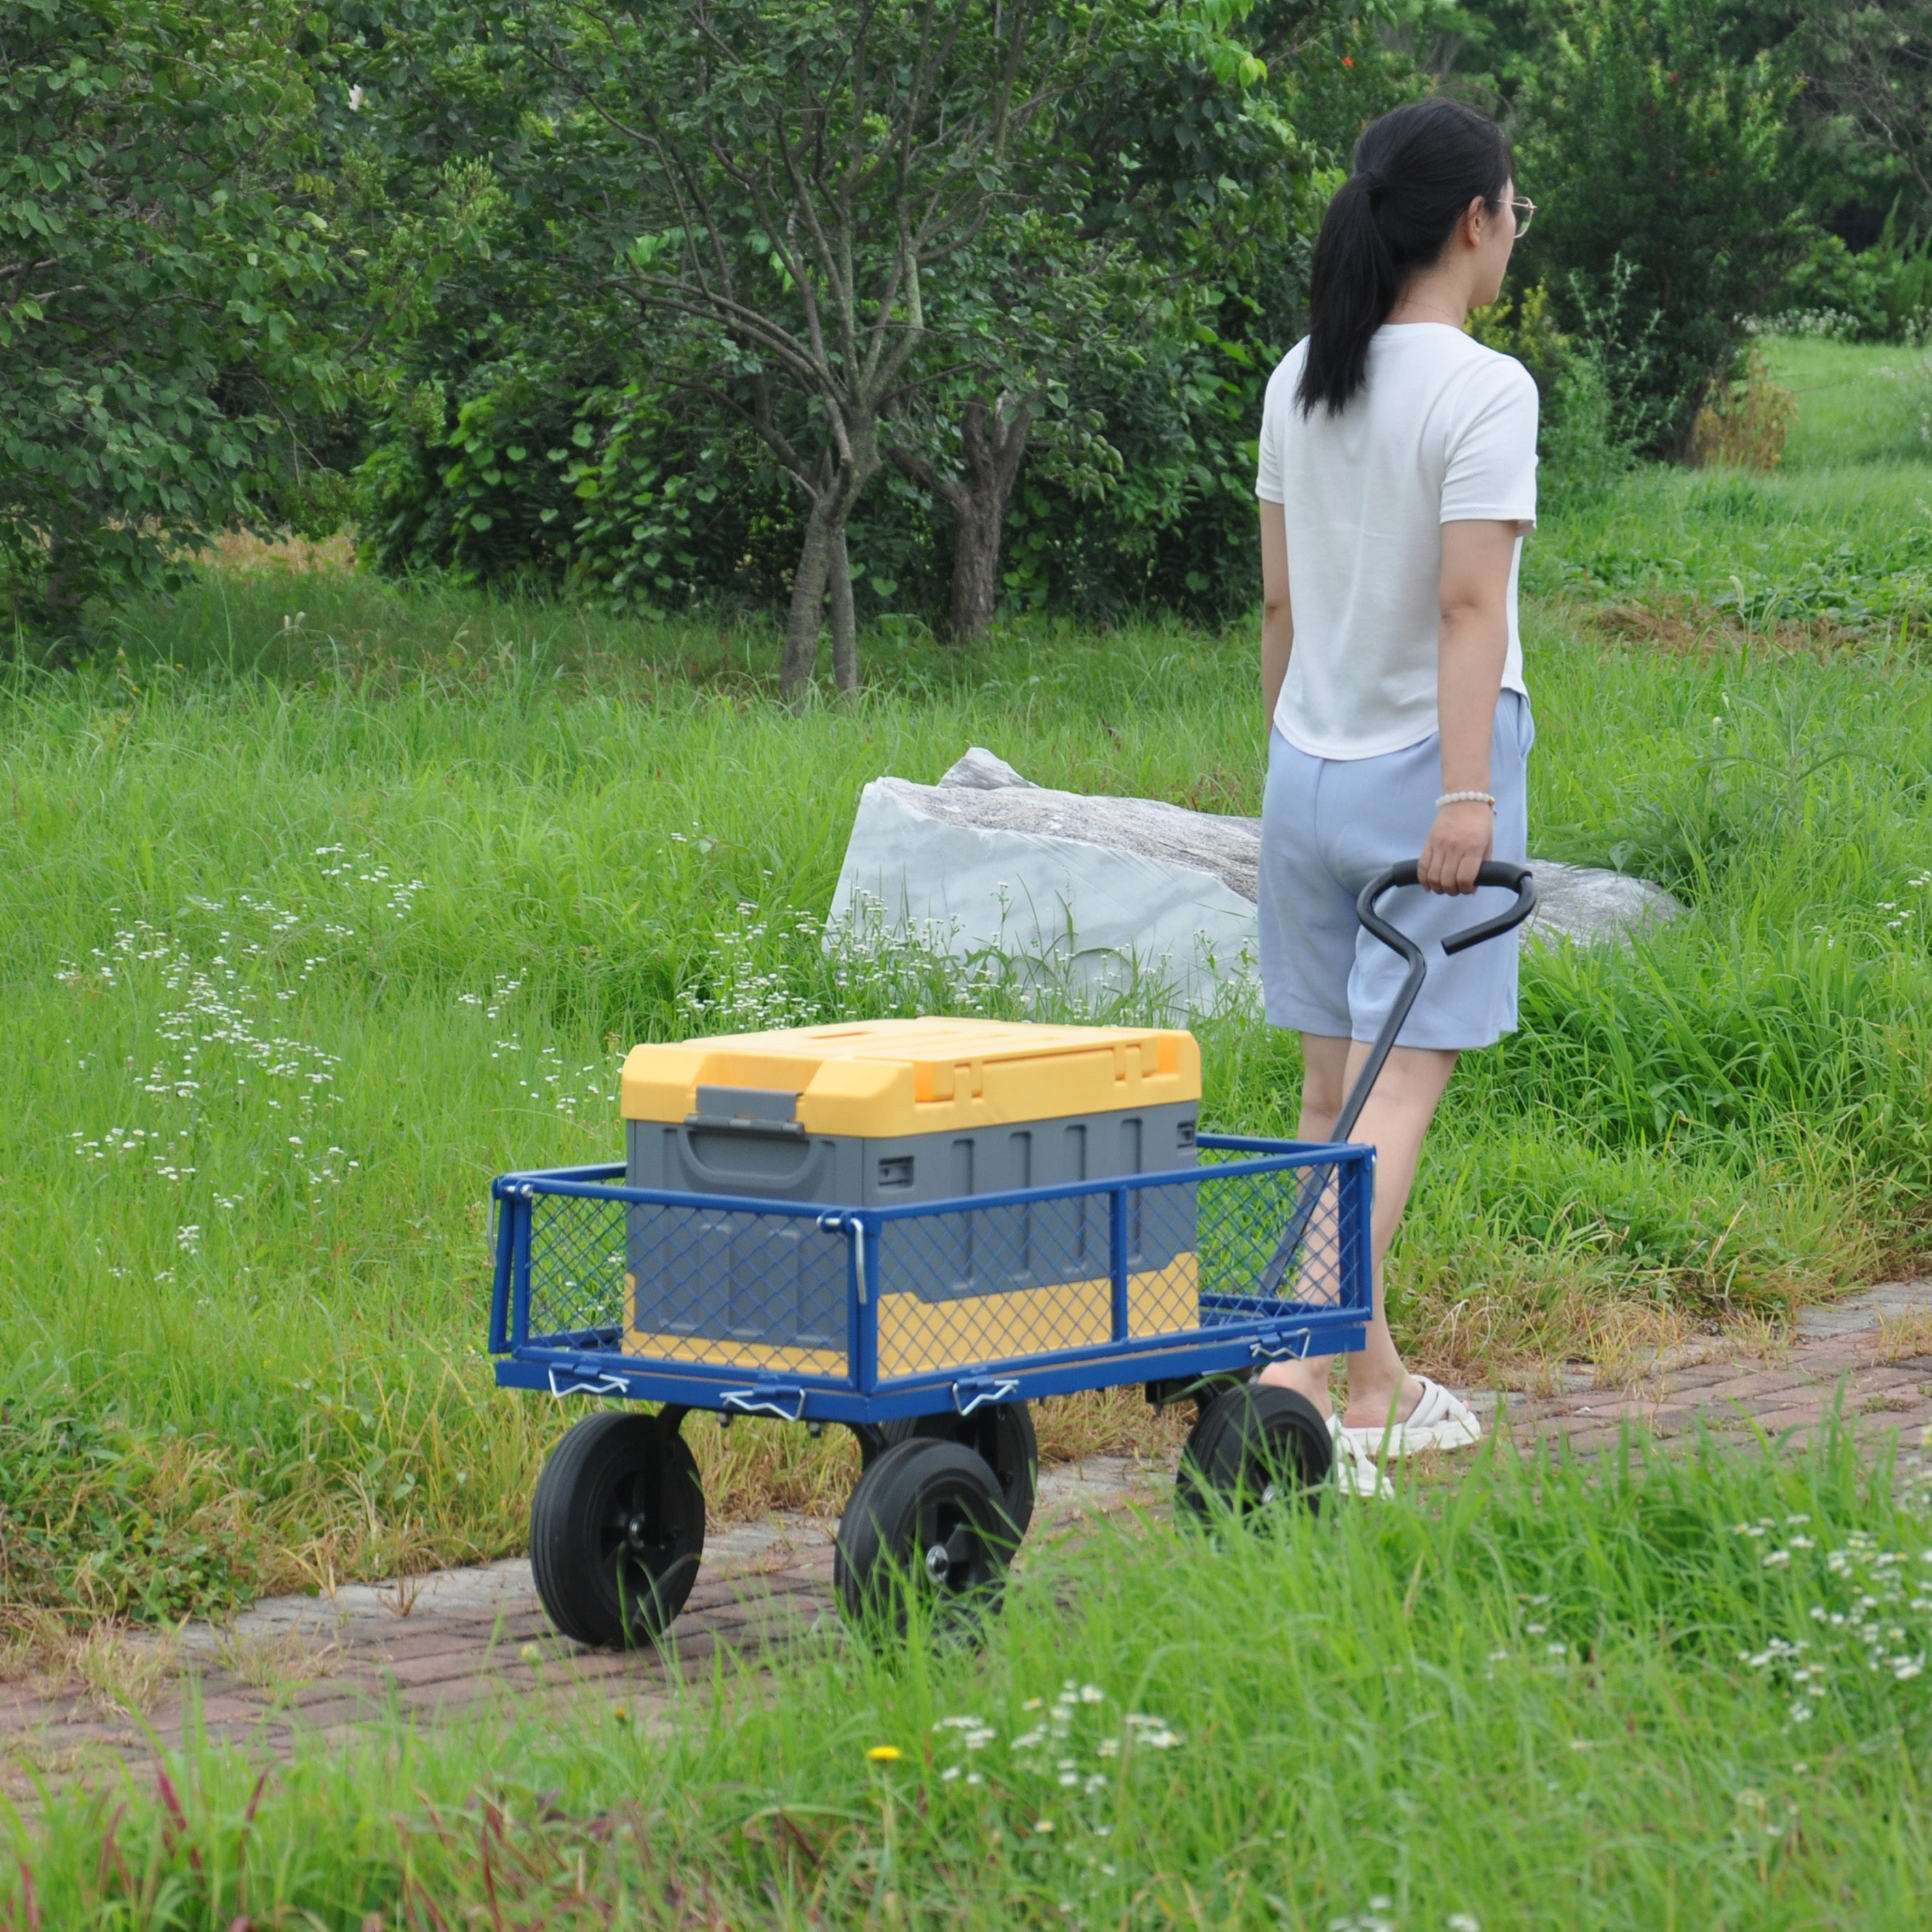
(1277, 618)
(1475, 643)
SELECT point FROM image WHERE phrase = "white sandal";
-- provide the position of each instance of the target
(1439, 1420)
(1357, 1473)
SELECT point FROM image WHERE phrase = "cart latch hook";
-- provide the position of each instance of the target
(967, 1396)
(769, 1398)
(563, 1382)
(1281, 1345)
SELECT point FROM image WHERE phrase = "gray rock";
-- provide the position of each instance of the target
(979, 770)
(1104, 891)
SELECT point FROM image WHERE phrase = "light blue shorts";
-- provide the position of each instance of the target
(1328, 827)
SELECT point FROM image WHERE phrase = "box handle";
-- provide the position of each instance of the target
(725, 1179)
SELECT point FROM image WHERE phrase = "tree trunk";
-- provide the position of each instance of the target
(977, 529)
(993, 446)
(823, 565)
(808, 600)
(844, 622)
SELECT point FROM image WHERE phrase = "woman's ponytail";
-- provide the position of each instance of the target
(1416, 170)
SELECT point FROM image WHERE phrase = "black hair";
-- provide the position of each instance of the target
(1416, 170)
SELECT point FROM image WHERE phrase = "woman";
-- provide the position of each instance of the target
(1397, 475)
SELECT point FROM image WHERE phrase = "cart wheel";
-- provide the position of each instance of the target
(928, 1520)
(1253, 1446)
(1002, 1432)
(617, 1529)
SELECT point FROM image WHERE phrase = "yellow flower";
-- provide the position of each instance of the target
(884, 1753)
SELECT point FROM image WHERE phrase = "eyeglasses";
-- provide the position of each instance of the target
(1526, 213)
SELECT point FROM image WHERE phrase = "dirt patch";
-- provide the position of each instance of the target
(1684, 625)
(248, 554)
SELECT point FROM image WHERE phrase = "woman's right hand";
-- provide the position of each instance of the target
(1463, 836)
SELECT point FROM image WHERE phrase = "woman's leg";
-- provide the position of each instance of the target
(1407, 1093)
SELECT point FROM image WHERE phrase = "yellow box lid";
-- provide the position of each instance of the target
(882, 1078)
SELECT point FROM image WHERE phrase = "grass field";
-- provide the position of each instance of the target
(1668, 1694)
(326, 899)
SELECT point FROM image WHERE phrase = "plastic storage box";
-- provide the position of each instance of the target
(882, 1112)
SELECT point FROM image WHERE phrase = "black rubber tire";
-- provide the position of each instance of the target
(617, 1529)
(1002, 1432)
(1253, 1447)
(927, 1519)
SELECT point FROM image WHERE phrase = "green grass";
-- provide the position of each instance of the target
(308, 927)
(1855, 402)
(1673, 1692)
(1839, 536)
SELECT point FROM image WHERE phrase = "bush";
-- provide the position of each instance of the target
(547, 477)
(1661, 159)
(1596, 415)
(1882, 295)
(1745, 423)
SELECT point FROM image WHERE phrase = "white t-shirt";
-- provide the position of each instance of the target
(1444, 432)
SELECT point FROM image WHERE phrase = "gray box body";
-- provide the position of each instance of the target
(760, 1279)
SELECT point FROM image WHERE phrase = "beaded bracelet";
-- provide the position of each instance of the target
(1466, 798)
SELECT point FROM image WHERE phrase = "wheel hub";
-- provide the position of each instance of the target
(938, 1563)
(637, 1532)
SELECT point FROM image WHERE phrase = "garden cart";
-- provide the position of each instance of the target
(912, 1229)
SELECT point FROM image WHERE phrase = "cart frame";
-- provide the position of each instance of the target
(1240, 1327)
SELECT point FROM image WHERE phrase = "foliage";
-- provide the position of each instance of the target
(1883, 294)
(1868, 65)
(1132, 343)
(1655, 154)
(158, 253)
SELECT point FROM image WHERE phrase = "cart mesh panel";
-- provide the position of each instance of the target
(736, 1288)
(976, 1286)
(951, 1287)
(1274, 1242)
(577, 1267)
(688, 1284)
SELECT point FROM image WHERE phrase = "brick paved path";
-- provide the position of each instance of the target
(452, 1643)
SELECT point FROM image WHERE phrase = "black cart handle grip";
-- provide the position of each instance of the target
(1314, 1180)
(1517, 879)
(1490, 872)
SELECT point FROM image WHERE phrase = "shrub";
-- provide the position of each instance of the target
(1745, 423)
(160, 269)
(1597, 416)
(1883, 294)
(1659, 157)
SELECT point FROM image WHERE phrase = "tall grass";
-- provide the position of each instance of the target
(325, 900)
(1669, 1691)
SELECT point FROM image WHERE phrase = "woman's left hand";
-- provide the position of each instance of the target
(1463, 836)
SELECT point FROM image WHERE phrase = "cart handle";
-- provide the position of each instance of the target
(1491, 872)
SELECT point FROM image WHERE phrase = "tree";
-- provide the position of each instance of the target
(1005, 336)
(1166, 157)
(1872, 60)
(155, 263)
(778, 191)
